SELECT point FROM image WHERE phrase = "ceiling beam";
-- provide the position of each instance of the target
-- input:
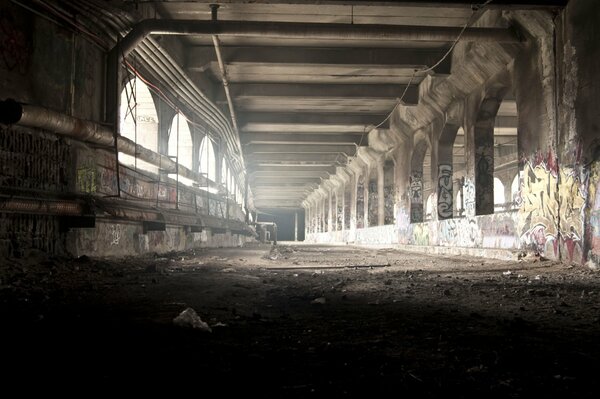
(295, 158)
(303, 122)
(256, 169)
(290, 174)
(199, 57)
(283, 181)
(272, 138)
(317, 148)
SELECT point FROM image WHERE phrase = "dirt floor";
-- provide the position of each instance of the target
(302, 321)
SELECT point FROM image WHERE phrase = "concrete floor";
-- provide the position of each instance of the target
(302, 320)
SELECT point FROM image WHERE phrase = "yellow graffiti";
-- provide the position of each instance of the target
(545, 201)
(86, 179)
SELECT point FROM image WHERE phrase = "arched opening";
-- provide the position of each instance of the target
(506, 160)
(180, 145)
(499, 200)
(208, 159)
(138, 122)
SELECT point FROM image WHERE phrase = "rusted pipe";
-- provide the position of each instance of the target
(46, 207)
(14, 113)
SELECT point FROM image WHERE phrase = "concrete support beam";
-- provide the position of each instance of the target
(278, 169)
(301, 148)
(291, 174)
(306, 122)
(199, 58)
(295, 158)
(244, 91)
(283, 181)
(291, 138)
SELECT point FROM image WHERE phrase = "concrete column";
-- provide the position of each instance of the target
(335, 212)
(380, 193)
(342, 189)
(353, 199)
(445, 191)
(330, 210)
(296, 226)
(323, 214)
(416, 196)
(367, 177)
(402, 161)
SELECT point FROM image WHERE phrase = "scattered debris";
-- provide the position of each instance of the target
(190, 319)
(319, 301)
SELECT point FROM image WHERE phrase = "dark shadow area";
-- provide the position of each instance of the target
(412, 329)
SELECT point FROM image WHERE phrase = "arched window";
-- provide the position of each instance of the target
(499, 199)
(138, 122)
(208, 160)
(224, 173)
(180, 141)
(180, 144)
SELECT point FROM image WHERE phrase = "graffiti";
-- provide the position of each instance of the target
(444, 202)
(484, 173)
(469, 197)
(420, 234)
(460, 233)
(360, 202)
(595, 210)
(107, 181)
(416, 197)
(388, 195)
(551, 211)
(416, 187)
(86, 179)
(416, 213)
(15, 47)
(115, 234)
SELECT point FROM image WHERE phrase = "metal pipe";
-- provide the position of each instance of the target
(324, 31)
(121, 23)
(47, 207)
(12, 112)
(217, 44)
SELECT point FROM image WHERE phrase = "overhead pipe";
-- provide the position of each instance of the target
(289, 30)
(217, 44)
(46, 207)
(12, 112)
(161, 64)
(300, 30)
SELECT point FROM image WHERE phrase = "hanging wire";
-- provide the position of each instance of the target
(475, 9)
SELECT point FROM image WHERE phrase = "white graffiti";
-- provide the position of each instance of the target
(469, 197)
(115, 232)
(444, 202)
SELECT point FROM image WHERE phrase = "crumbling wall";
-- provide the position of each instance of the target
(45, 64)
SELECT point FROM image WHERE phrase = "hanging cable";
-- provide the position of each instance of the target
(475, 9)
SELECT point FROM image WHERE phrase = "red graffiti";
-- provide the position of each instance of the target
(14, 45)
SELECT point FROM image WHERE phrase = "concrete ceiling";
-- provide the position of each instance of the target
(304, 105)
